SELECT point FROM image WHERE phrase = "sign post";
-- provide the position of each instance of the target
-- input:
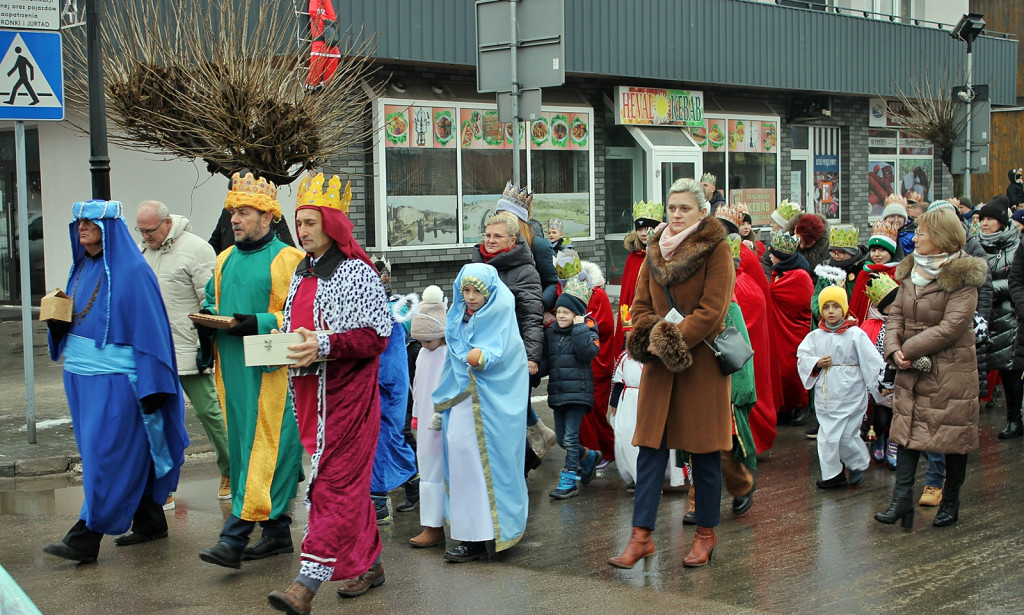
(31, 88)
(520, 49)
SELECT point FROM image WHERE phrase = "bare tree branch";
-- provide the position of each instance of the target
(226, 84)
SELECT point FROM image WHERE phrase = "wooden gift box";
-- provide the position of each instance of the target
(272, 349)
(56, 306)
(213, 321)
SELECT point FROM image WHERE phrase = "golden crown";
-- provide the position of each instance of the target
(247, 191)
(312, 192)
(914, 197)
(784, 242)
(878, 287)
(881, 228)
(896, 198)
(843, 236)
(733, 213)
(649, 211)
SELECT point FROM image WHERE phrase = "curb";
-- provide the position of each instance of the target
(62, 464)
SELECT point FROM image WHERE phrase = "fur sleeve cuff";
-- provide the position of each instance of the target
(669, 346)
(640, 338)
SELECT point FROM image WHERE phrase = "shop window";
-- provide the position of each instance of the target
(898, 162)
(446, 167)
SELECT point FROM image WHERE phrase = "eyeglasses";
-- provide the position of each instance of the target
(495, 236)
(149, 231)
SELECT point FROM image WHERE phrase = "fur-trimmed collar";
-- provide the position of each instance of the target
(963, 271)
(594, 273)
(689, 256)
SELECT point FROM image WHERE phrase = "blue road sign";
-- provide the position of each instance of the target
(31, 76)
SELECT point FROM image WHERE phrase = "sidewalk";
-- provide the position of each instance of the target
(55, 450)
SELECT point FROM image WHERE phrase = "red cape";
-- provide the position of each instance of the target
(626, 293)
(752, 296)
(595, 431)
(791, 294)
(858, 298)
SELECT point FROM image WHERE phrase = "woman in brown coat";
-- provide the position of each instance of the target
(684, 399)
(929, 337)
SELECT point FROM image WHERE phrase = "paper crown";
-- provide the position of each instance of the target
(884, 234)
(734, 245)
(247, 191)
(878, 288)
(580, 289)
(843, 236)
(516, 200)
(568, 265)
(313, 192)
(785, 211)
(733, 213)
(895, 198)
(784, 243)
(556, 223)
(648, 211)
(914, 197)
(709, 178)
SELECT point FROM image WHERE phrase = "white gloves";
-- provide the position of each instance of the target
(435, 422)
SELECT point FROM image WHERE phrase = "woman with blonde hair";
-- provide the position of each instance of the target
(683, 293)
(929, 338)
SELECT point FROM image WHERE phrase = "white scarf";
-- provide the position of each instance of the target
(926, 267)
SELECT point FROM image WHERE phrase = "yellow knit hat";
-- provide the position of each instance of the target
(833, 293)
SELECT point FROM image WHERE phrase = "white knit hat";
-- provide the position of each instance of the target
(429, 321)
(894, 208)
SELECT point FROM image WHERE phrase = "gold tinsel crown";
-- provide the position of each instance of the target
(247, 191)
(313, 192)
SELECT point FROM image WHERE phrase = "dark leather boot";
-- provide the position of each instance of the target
(374, 577)
(703, 546)
(296, 600)
(640, 546)
(1013, 429)
(949, 513)
(899, 510)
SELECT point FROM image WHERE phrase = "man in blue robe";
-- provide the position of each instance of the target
(120, 377)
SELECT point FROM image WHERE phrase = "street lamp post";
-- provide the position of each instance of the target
(967, 29)
(99, 160)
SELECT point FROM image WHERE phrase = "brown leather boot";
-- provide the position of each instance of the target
(703, 545)
(374, 577)
(641, 546)
(296, 600)
(429, 537)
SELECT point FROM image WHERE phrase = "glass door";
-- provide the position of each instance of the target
(800, 178)
(670, 168)
(623, 186)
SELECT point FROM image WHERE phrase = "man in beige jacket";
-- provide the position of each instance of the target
(183, 263)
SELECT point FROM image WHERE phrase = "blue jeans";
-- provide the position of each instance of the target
(935, 475)
(236, 531)
(567, 432)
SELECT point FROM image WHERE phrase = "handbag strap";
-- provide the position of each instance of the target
(672, 304)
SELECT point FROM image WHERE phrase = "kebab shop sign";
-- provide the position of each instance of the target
(760, 203)
(655, 107)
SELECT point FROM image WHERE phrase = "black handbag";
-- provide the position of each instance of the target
(731, 351)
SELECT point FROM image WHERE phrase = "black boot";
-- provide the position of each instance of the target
(1014, 429)
(532, 460)
(412, 495)
(902, 506)
(948, 514)
(899, 510)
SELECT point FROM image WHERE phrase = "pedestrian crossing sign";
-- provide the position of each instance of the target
(31, 76)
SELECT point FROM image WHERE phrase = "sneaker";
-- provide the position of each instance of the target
(568, 485)
(604, 464)
(811, 433)
(382, 506)
(931, 496)
(224, 493)
(169, 504)
(588, 466)
(890, 454)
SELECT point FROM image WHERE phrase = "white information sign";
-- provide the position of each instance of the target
(30, 14)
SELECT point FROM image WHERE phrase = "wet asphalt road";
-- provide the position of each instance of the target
(799, 550)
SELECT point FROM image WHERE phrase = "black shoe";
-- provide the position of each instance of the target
(742, 504)
(134, 538)
(267, 546)
(66, 551)
(856, 477)
(801, 416)
(1013, 429)
(948, 514)
(811, 433)
(412, 495)
(465, 552)
(532, 462)
(899, 510)
(837, 481)
(222, 554)
(690, 518)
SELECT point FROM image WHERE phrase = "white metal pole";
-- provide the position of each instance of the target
(26, 281)
(513, 47)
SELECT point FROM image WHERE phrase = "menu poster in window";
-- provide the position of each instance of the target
(716, 134)
(769, 137)
(700, 135)
(916, 174)
(445, 127)
(480, 129)
(826, 185)
(881, 177)
(738, 135)
(560, 131)
(396, 126)
(760, 203)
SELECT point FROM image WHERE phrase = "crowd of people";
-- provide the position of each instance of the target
(886, 346)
